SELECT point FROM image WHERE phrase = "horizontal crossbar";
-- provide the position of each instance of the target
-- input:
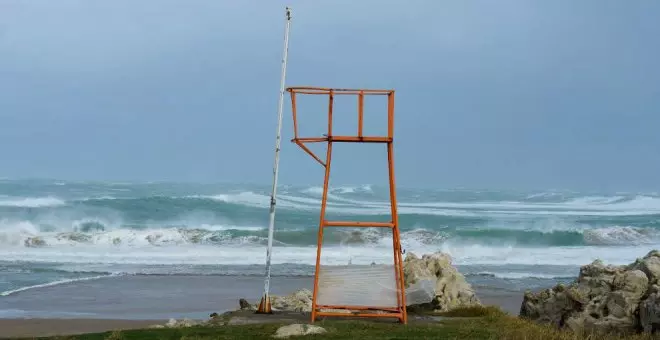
(391, 309)
(362, 315)
(357, 224)
(343, 93)
(326, 90)
(344, 139)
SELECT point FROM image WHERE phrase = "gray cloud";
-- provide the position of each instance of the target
(506, 94)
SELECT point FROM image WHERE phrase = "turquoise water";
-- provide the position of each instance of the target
(53, 232)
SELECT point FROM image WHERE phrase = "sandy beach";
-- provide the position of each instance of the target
(139, 301)
(10, 328)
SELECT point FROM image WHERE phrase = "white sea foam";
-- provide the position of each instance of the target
(252, 199)
(588, 206)
(573, 256)
(517, 275)
(593, 200)
(581, 206)
(53, 283)
(317, 190)
(70, 233)
(191, 230)
(246, 254)
(32, 202)
(542, 195)
(620, 236)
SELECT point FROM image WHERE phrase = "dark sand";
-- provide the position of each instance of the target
(139, 301)
(10, 328)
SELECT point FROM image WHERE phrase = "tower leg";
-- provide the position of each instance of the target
(396, 239)
(324, 202)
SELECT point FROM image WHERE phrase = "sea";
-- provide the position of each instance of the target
(58, 232)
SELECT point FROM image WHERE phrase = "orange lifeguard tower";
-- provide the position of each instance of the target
(355, 290)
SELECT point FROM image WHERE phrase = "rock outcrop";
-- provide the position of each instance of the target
(432, 283)
(448, 288)
(603, 299)
(298, 301)
(244, 304)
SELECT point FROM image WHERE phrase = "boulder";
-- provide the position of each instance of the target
(448, 288)
(245, 305)
(650, 265)
(297, 330)
(603, 299)
(649, 311)
(299, 301)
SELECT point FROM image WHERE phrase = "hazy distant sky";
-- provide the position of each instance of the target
(490, 94)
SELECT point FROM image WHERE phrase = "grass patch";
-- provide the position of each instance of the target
(475, 323)
(472, 312)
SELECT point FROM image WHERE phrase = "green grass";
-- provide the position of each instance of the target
(481, 323)
(473, 312)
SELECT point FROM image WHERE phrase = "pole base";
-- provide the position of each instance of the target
(264, 306)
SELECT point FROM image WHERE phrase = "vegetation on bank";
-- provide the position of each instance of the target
(473, 323)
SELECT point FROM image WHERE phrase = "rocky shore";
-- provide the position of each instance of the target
(604, 299)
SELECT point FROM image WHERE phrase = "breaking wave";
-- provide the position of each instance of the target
(98, 233)
(102, 228)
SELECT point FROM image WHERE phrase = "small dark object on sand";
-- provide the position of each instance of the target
(244, 304)
(213, 315)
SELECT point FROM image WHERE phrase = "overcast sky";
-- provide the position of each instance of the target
(490, 94)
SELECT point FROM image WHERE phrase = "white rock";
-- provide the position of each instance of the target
(451, 289)
(173, 323)
(297, 330)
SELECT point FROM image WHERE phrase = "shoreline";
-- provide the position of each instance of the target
(126, 302)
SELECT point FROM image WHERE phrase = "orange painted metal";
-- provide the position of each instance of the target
(358, 224)
(362, 315)
(360, 113)
(391, 309)
(398, 312)
(345, 139)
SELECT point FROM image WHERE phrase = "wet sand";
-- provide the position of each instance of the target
(139, 301)
(12, 328)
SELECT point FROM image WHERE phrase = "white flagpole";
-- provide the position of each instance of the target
(264, 306)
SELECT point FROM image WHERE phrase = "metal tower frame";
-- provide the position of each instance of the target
(398, 311)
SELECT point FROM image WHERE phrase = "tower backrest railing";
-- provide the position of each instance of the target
(359, 137)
